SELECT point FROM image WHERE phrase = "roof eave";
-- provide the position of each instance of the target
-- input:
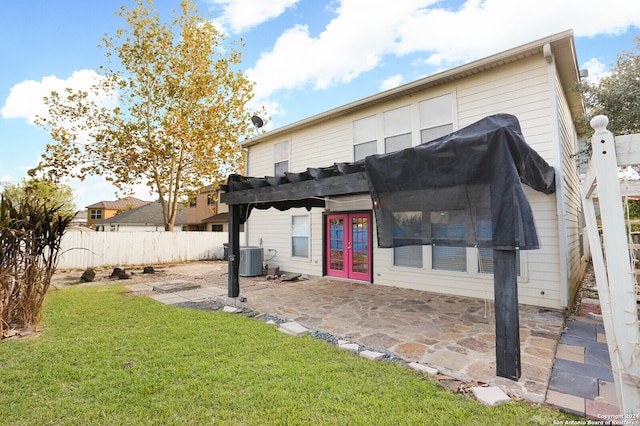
(508, 56)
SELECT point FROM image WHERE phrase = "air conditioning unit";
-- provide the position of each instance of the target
(251, 261)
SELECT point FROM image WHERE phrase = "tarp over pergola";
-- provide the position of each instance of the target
(471, 177)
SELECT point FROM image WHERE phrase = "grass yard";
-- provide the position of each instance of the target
(105, 358)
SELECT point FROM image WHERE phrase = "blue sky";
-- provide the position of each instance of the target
(306, 56)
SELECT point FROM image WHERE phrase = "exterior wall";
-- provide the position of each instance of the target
(523, 89)
(202, 210)
(577, 249)
(106, 214)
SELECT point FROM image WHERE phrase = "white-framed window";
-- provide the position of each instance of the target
(365, 141)
(436, 117)
(280, 158)
(448, 226)
(485, 261)
(300, 236)
(96, 214)
(407, 228)
(483, 234)
(397, 129)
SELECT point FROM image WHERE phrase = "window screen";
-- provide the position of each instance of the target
(407, 229)
(281, 158)
(363, 150)
(436, 117)
(448, 225)
(483, 232)
(300, 236)
(364, 137)
(397, 129)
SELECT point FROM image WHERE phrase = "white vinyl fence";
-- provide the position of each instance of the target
(93, 249)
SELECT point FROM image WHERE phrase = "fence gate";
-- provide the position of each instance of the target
(614, 269)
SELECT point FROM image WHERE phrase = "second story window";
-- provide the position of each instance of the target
(364, 138)
(96, 214)
(436, 117)
(211, 200)
(280, 158)
(397, 129)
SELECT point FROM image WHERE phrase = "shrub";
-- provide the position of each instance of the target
(30, 236)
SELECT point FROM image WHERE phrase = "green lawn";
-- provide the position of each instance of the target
(105, 358)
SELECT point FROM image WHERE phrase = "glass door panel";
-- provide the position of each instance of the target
(359, 267)
(336, 253)
(348, 251)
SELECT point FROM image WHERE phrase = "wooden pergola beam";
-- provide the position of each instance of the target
(354, 183)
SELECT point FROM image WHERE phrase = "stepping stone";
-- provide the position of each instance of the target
(293, 328)
(353, 347)
(490, 395)
(172, 287)
(290, 277)
(230, 309)
(373, 356)
(423, 368)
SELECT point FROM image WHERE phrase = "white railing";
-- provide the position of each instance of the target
(83, 249)
(614, 269)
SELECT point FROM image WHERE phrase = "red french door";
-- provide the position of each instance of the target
(348, 248)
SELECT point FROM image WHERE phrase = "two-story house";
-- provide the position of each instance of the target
(336, 235)
(106, 209)
(206, 212)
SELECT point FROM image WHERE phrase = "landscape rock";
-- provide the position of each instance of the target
(88, 275)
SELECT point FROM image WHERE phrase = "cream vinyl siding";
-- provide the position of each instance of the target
(572, 201)
(323, 146)
(522, 89)
(274, 228)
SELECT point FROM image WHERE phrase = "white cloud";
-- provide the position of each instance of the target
(241, 15)
(391, 82)
(25, 99)
(95, 189)
(597, 70)
(355, 42)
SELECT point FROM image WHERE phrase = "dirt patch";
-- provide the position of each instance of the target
(205, 272)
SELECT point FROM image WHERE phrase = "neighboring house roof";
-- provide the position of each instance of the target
(148, 214)
(559, 47)
(217, 218)
(121, 204)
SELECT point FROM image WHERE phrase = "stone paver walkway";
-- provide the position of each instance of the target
(455, 335)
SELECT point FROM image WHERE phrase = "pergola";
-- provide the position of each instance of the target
(479, 168)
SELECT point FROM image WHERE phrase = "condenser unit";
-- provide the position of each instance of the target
(251, 261)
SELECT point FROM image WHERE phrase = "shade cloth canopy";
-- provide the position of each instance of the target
(463, 189)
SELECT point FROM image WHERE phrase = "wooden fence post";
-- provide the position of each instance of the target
(613, 271)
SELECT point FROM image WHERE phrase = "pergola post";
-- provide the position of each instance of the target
(234, 251)
(505, 283)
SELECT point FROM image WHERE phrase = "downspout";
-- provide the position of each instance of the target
(560, 196)
(246, 223)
